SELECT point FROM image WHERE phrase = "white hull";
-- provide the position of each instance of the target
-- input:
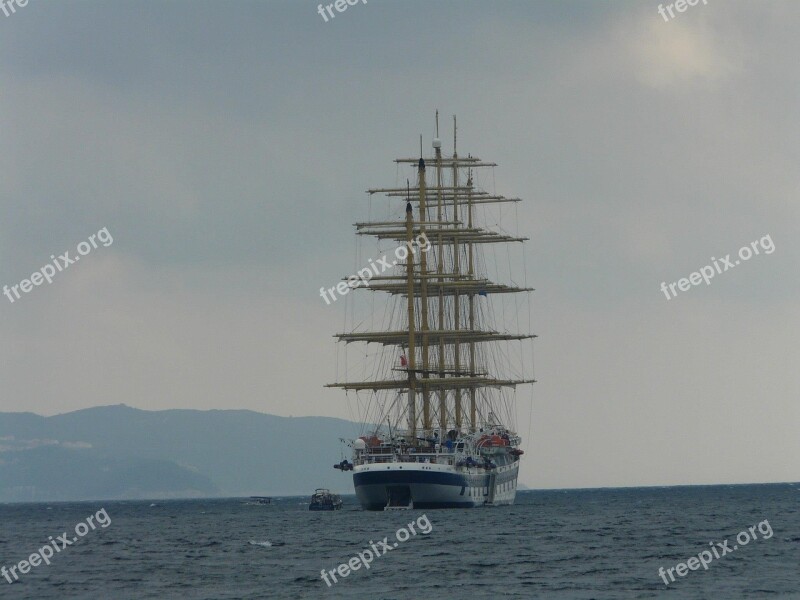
(421, 485)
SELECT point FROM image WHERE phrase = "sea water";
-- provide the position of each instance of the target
(550, 544)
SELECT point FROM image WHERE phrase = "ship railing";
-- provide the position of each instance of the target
(428, 457)
(380, 450)
(436, 459)
(388, 450)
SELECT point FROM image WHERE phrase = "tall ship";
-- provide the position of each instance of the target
(439, 352)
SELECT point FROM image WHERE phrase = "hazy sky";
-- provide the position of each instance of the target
(226, 147)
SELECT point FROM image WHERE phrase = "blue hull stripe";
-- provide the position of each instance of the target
(400, 477)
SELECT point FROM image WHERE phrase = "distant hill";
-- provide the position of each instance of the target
(112, 452)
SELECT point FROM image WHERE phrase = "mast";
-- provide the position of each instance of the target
(473, 420)
(412, 362)
(423, 268)
(457, 271)
(437, 145)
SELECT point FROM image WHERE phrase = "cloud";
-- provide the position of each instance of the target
(227, 152)
(682, 52)
(76, 445)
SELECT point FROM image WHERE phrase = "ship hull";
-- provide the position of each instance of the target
(428, 486)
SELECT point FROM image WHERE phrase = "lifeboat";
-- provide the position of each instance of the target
(492, 441)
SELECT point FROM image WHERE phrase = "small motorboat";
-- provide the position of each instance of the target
(260, 500)
(325, 500)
